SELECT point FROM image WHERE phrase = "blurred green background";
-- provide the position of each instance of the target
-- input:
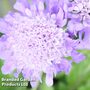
(78, 79)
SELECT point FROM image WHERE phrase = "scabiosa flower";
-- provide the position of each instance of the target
(34, 40)
(79, 21)
(80, 9)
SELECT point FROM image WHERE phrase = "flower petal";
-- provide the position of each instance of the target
(8, 67)
(21, 5)
(84, 40)
(49, 79)
(77, 57)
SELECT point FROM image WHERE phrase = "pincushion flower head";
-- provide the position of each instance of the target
(35, 40)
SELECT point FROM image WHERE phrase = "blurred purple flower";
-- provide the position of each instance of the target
(80, 10)
(79, 22)
(35, 40)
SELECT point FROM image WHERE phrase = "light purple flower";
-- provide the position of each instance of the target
(35, 41)
(79, 10)
(79, 22)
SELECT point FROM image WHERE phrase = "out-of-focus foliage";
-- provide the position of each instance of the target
(78, 79)
(4, 7)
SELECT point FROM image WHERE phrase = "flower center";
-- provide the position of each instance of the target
(37, 40)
